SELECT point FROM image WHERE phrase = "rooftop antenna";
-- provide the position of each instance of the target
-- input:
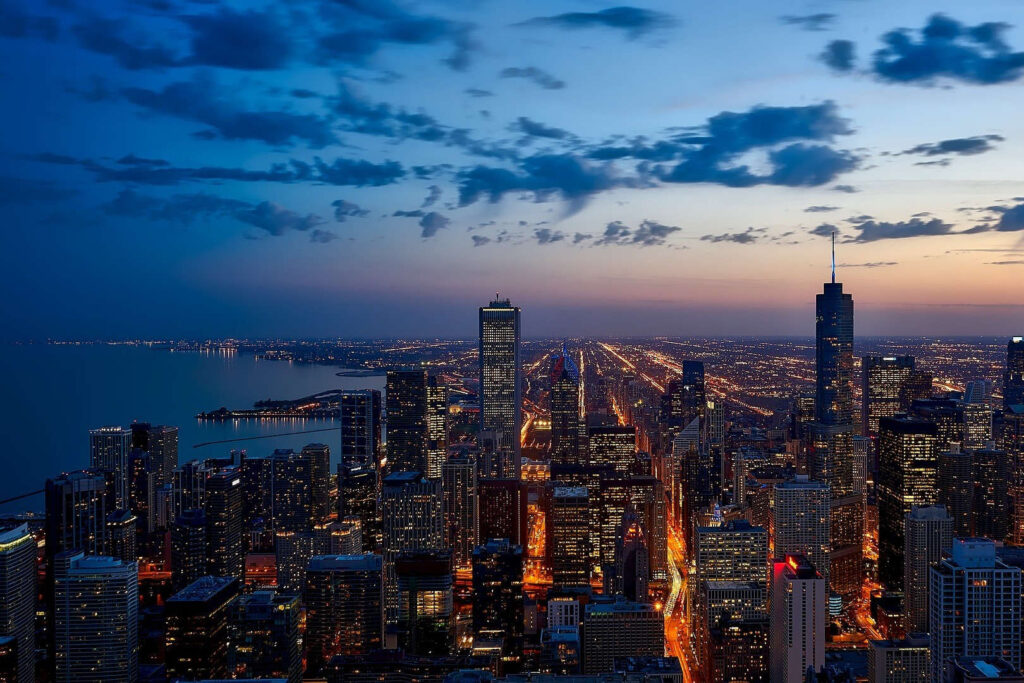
(833, 257)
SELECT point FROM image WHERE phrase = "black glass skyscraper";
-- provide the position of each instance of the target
(1013, 380)
(565, 408)
(501, 403)
(833, 399)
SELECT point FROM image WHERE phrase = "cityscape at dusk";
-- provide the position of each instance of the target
(457, 341)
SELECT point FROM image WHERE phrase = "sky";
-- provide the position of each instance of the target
(361, 168)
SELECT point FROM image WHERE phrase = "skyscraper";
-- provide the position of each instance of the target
(631, 575)
(121, 536)
(263, 633)
(95, 619)
(695, 395)
(161, 442)
(406, 395)
(1013, 378)
(900, 661)
(225, 552)
(991, 505)
(18, 598)
(344, 607)
(798, 618)
(360, 423)
(882, 378)
(620, 629)
(907, 477)
(503, 510)
(570, 523)
(498, 589)
(461, 512)
(802, 520)
(197, 628)
(565, 408)
(108, 451)
(975, 606)
(76, 513)
(188, 548)
(929, 533)
(614, 446)
(426, 603)
(437, 425)
(501, 403)
(956, 488)
(357, 497)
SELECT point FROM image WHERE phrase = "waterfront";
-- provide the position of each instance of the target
(53, 395)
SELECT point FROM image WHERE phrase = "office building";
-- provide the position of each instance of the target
(498, 589)
(977, 425)
(907, 477)
(645, 495)
(1013, 378)
(411, 514)
(121, 536)
(614, 446)
(975, 606)
(461, 511)
(76, 511)
(630, 575)
(225, 550)
(900, 661)
(734, 551)
(18, 600)
(360, 425)
(263, 637)
(318, 455)
(344, 607)
(503, 510)
(188, 548)
(108, 452)
(197, 628)
(565, 408)
(801, 521)
(956, 488)
(357, 497)
(501, 404)
(161, 443)
(929, 534)
(882, 379)
(95, 619)
(991, 506)
(437, 425)
(738, 650)
(570, 524)
(407, 429)
(798, 618)
(620, 629)
(426, 602)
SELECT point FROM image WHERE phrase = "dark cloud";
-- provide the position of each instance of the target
(277, 220)
(343, 210)
(107, 37)
(15, 22)
(872, 231)
(581, 237)
(1011, 219)
(252, 40)
(415, 213)
(179, 208)
(548, 236)
(948, 49)
(528, 126)
(977, 144)
(201, 100)
(840, 55)
(848, 189)
(357, 172)
(132, 160)
(820, 209)
(432, 198)
(319, 236)
(872, 264)
(634, 21)
(748, 236)
(478, 92)
(431, 223)
(24, 191)
(824, 230)
(1005, 263)
(480, 240)
(810, 22)
(648, 234)
(532, 73)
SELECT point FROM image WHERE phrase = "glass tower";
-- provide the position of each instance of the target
(501, 405)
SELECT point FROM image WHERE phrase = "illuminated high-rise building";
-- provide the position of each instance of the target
(197, 628)
(882, 378)
(503, 510)
(108, 452)
(188, 548)
(501, 404)
(76, 511)
(437, 425)
(225, 550)
(900, 661)
(565, 408)
(975, 606)
(801, 521)
(798, 620)
(1013, 378)
(620, 629)
(18, 599)
(406, 397)
(122, 541)
(631, 571)
(263, 636)
(646, 496)
(411, 514)
(735, 551)
(360, 424)
(95, 619)
(570, 524)
(357, 497)
(161, 442)
(498, 589)
(344, 602)
(956, 488)
(615, 446)
(461, 511)
(907, 477)
(426, 602)
(318, 455)
(977, 425)
(991, 507)
(929, 534)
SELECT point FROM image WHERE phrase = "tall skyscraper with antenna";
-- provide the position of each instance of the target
(830, 451)
(501, 378)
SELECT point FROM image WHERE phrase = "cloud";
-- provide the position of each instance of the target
(872, 231)
(277, 220)
(201, 100)
(480, 240)
(1011, 219)
(548, 236)
(343, 210)
(478, 92)
(824, 230)
(872, 264)
(357, 172)
(977, 144)
(948, 49)
(810, 22)
(635, 22)
(252, 40)
(431, 199)
(319, 236)
(1005, 263)
(431, 223)
(820, 209)
(848, 189)
(532, 73)
(24, 191)
(840, 55)
(648, 234)
(180, 208)
(527, 126)
(748, 236)
(15, 22)
(107, 37)
(415, 213)
(581, 237)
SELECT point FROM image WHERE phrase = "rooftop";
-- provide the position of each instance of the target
(203, 588)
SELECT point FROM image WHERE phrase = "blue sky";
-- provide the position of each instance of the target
(360, 167)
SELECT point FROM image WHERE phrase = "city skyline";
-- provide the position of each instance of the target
(532, 149)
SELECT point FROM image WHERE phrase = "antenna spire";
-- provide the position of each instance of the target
(833, 257)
